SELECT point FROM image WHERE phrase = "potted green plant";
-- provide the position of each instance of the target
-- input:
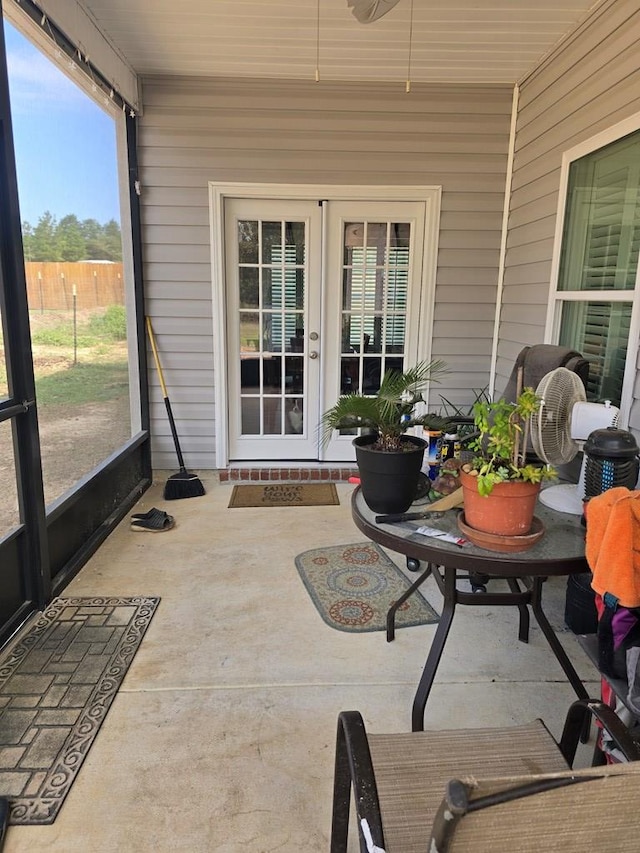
(389, 460)
(501, 485)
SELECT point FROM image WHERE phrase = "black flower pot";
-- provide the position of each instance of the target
(389, 481)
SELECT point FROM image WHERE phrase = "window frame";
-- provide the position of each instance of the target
(557, 297)
(117, 111)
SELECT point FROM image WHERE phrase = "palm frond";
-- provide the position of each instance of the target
(390, 411)
(351, 411)
(412, 381)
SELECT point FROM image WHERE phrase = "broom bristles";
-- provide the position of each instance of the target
(184, 484)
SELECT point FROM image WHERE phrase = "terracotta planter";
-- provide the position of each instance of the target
(389, 481)
(507, 511)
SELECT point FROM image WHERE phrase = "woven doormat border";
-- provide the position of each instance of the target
(284, 495)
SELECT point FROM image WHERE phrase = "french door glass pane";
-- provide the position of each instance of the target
(272, 281)
(248, 242)
(250, 415)
(375, 280)
(600, 331)
(249, 288)
(68, 187)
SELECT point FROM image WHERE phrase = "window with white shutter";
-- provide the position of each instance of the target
(598, 268)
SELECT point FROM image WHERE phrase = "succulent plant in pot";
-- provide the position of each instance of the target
(389, 459)
(501, 485)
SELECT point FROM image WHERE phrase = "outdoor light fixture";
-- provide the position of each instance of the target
(367, 11)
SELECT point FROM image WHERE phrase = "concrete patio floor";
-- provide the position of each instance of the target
(222, 736)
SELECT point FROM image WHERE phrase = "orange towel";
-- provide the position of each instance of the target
(613, 544)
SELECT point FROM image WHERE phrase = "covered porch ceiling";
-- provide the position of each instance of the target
(425, 41)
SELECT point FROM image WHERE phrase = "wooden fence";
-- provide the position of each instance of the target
(50, 285)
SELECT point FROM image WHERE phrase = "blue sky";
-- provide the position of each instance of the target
(65, 144)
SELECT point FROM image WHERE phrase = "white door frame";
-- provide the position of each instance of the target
(219, 192)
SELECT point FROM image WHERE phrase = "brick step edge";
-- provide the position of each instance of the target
(313, 475)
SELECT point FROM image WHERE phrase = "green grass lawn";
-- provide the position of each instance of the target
(84, 383)
(88, 366)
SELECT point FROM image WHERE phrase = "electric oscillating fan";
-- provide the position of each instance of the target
(559, 429)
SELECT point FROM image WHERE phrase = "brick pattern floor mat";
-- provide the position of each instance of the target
(57, 682)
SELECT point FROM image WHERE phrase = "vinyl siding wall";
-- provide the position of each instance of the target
(588, 84)
(194, 131)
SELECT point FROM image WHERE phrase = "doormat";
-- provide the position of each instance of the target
(56, 686)
(284, 494)
(353, 587)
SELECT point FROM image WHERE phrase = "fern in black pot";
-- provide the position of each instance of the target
(389, 460)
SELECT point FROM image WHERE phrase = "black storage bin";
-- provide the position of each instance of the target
(580, 614)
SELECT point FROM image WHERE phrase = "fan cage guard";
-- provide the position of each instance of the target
(551, 435)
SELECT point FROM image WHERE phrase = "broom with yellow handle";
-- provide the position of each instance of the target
(184, 484)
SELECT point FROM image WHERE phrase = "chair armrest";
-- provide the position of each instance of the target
(354, 767)
(607, 718)
(543, 812)
(461, 799)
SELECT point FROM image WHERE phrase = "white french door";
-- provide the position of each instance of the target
(375, 255)
(321, 299)
(273, 270)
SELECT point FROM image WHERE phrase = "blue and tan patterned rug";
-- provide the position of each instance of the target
(353, 586)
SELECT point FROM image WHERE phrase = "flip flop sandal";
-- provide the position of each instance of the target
(155, 523)
(149, 514)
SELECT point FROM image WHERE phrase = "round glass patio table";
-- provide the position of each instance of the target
(559, 552)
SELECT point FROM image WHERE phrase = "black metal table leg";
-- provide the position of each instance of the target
(391, 612)
(523, 610)
(553, 641)
(435, 652)
(558, 650)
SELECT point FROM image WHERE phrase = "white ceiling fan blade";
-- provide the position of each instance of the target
(367, 11)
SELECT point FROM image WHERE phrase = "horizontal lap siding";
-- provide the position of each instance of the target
(194, 131)
(587, 85)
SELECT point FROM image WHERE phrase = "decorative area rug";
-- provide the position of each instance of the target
(284, 494)
(353, 586)
(56, 686)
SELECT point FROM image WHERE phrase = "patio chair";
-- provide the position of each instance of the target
(497, 790)
(535, 362)
(540, 359)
